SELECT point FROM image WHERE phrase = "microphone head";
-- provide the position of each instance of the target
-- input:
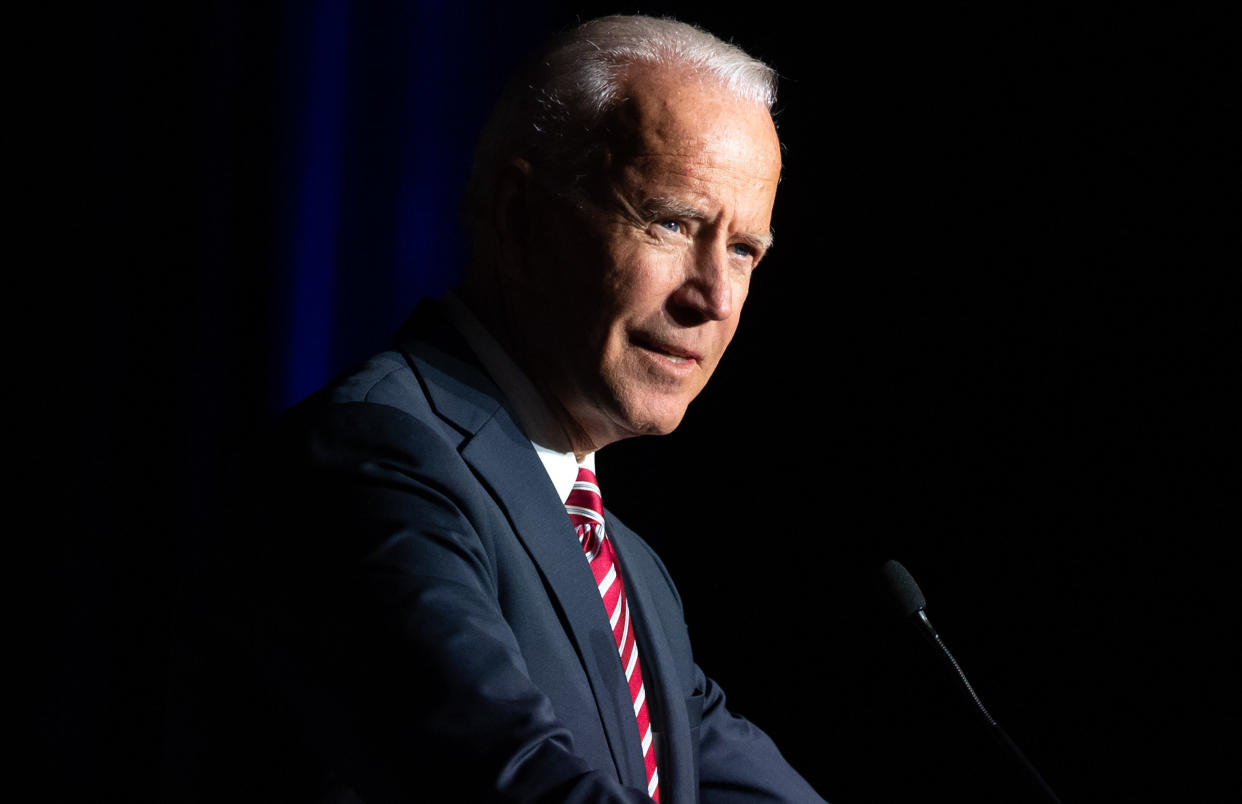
(904, 595)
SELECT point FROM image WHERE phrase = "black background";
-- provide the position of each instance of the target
(995, 340)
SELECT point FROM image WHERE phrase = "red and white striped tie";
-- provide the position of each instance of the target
(586, 511)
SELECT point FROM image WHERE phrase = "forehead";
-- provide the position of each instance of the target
(682, 115)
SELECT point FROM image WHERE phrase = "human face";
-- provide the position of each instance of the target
(641, 284)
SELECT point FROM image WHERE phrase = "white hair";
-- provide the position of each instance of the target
(587, 68)
(551, 114)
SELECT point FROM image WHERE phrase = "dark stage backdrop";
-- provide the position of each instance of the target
(993, 341)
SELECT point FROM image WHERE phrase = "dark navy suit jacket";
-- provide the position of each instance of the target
(433, 625)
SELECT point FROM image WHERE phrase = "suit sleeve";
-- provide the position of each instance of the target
(379, 625)
(738, 762)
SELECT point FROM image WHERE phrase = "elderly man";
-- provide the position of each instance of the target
(454, 615)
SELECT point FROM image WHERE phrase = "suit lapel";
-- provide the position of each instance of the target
(659, 676)
(501, 455)
(506, 462)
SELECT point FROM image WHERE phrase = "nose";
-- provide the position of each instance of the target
(707, 293)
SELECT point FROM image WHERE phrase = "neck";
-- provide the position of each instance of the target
(541, 415)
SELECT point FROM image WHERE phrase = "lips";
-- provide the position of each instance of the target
(675, 353)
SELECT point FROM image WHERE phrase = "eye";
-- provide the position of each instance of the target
(742, 250)
(671, 225)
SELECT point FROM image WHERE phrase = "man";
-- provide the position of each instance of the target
(433, 618)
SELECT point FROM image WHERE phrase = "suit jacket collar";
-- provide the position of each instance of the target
(501, 455)
(458, 388)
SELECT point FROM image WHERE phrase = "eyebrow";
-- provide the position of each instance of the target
(656, 208)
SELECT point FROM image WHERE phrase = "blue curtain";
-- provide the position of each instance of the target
(377, 107)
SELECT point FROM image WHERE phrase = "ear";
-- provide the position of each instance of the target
(511, 213)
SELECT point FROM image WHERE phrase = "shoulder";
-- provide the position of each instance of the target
(366, 467)
(387, 378)
(430, 374)
(378, 415)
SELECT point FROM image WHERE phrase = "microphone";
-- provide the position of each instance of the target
(905, 600)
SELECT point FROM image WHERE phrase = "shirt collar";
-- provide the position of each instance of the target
(524, 400)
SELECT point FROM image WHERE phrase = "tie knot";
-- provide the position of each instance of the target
(585, 475)
(585, 504)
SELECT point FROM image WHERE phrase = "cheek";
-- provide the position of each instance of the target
(642, 280)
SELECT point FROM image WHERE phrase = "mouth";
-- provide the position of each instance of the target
(677, 355)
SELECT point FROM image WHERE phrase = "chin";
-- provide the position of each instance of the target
(660, 419)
